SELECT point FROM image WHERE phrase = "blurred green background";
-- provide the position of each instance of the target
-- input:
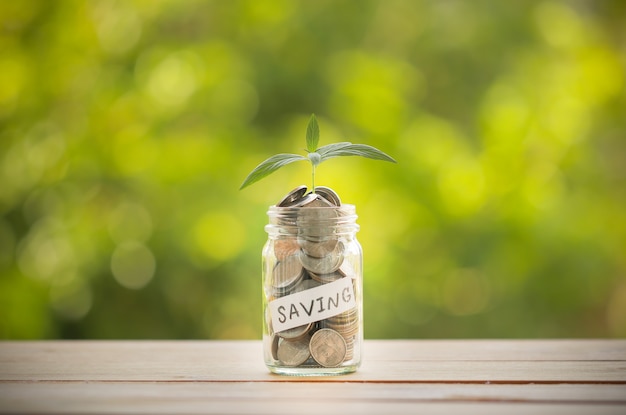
(127, 127)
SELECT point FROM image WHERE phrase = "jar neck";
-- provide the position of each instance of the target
(298, 220)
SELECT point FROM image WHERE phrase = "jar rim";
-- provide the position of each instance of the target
(348, 207)
(290, 218)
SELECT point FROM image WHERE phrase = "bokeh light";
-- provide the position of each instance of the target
(127, 127)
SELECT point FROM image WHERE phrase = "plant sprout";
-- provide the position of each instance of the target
(314, 154)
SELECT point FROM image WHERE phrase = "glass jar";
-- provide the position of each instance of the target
(312, 291)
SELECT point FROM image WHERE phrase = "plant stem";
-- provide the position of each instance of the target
(313, 177)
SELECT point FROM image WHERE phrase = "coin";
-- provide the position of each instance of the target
(315, 221)
(317, 210)
(325, 265)
(305, 285)
(293, 353)
(343, 323)
(285, 247)
(327, 347)
(287, 273)
(302, 284)
(325, 278)
(347, 325)
(328, 194)
(318, 201)
(305, 201)
(296, 332)
(316, 224)
(274, 348)
(293, 196)
(317, 249)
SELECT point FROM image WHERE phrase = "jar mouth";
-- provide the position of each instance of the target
(339, 219)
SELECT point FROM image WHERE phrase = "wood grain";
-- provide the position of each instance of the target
(399, 376)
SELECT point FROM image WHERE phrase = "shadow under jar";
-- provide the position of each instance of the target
(312, 291)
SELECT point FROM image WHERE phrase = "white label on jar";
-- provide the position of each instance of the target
(314, 304)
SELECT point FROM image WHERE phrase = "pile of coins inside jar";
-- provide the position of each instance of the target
(309, 254)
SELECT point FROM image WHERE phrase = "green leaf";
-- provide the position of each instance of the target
(315, 155)
(312, 134)
(331, 147)
(270, 166)
(362, 150)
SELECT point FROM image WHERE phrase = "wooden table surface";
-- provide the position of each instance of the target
(397, 376)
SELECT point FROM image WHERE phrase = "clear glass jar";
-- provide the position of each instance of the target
(312, 291)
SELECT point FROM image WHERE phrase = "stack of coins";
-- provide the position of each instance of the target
(309, 253)
(347, 323)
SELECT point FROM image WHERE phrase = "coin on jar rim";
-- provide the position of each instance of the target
(305, 200)
(293, 353)
(293, 196)
(328, 194)
(328, 347)
(318, 201)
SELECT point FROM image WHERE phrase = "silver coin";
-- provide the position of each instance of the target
(296, 332)
(317, 201)
(285, 247)
(317, 249)
(301, 284)
(293, 353)
(287, 273)
(328, 347)
(346, 319)
(293, 196)
(317, 215)
(316, 220)
(347, 330)
(305, 200)
(325, 265)
(342, 320)
(325, 278)
(316, 223)
(313, 232)
(328, 194)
